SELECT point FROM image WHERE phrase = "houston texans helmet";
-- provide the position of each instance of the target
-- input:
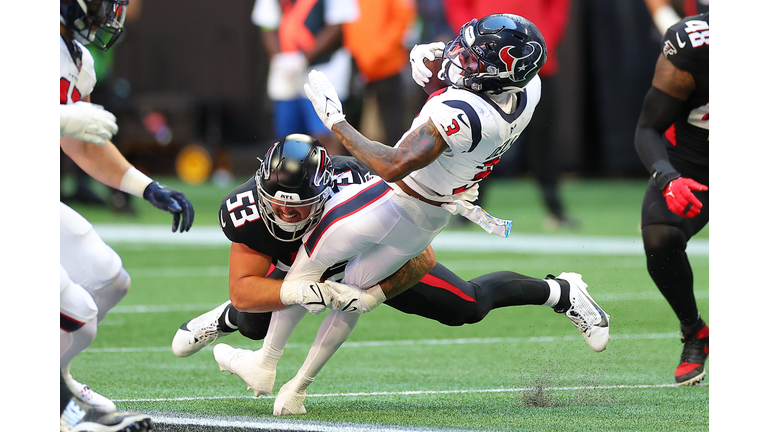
(295, 172)
(497, 53)
(96, 22)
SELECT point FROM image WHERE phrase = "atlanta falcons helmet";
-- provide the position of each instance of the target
(497, 53)
(296, 172)
(96, 22)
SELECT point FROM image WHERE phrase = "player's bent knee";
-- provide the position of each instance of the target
(105, 266)
(110, 294)
(662, 239)
(254, 326)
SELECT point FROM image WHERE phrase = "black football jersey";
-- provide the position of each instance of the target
(686, 45)
(241, 222)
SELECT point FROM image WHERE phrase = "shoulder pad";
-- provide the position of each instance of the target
(686, 43)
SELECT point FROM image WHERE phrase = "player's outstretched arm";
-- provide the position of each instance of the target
(106, 164)
(420, 148)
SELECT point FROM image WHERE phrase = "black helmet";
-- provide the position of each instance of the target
(498, 53)
(296, 172)
(97, 22)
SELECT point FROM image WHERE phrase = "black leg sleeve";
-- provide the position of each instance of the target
(670, 269)
(444, 297)
(254, 325)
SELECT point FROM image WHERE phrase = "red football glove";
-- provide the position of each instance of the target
(680, 199)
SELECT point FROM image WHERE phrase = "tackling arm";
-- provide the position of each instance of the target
(249, 288)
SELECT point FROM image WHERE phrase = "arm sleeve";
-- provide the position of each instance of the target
(658, 114)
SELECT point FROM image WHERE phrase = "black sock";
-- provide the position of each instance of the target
(565, 295)
(231, 314)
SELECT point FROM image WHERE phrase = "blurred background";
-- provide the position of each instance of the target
(188, 84)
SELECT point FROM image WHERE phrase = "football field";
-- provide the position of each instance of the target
(520, 369)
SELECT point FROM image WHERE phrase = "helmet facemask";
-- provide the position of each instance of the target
(290, 231)
(98, 23)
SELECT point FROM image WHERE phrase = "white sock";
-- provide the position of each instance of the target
(554, 293)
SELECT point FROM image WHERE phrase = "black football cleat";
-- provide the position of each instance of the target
(691, 371)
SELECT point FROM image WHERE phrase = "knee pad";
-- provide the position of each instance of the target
(659, 239)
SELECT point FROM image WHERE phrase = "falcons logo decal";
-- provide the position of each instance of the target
(519, 68)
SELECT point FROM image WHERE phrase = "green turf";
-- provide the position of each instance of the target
(520, 369)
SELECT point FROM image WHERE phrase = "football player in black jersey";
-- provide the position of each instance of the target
(266, 235)
(672, 139)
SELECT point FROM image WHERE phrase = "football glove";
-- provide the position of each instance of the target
(87, 122)
(680, 199)
(173, 202)
(419, 71)
(324, 99)
(313, 296)
(352, 299)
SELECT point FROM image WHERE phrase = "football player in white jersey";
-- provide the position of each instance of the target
(432, 172)
(92, 278)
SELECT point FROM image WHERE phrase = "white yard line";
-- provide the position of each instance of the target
(446, 241)
(462, 341)
(412, 392)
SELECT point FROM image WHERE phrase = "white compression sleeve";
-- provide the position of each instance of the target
(333, 332)
(281, 325)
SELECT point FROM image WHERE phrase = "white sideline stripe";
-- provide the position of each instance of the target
(414, 392)
(463, 341)
(446, 241)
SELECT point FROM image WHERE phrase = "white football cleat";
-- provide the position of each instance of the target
(585, 314)
(290, 398)
(199, 332)
(248, 365)
(86, 396)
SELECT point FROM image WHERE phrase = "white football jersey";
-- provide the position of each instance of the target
(77, 81)
(478, 131)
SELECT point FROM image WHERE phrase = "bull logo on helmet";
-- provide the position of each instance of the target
(519, 67)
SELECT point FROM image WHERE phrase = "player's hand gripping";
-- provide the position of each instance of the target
(324, 98)
(680, 199)
(355, 300)
(314, 296)
(419, 71)
(173, 202)
(87, 122)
